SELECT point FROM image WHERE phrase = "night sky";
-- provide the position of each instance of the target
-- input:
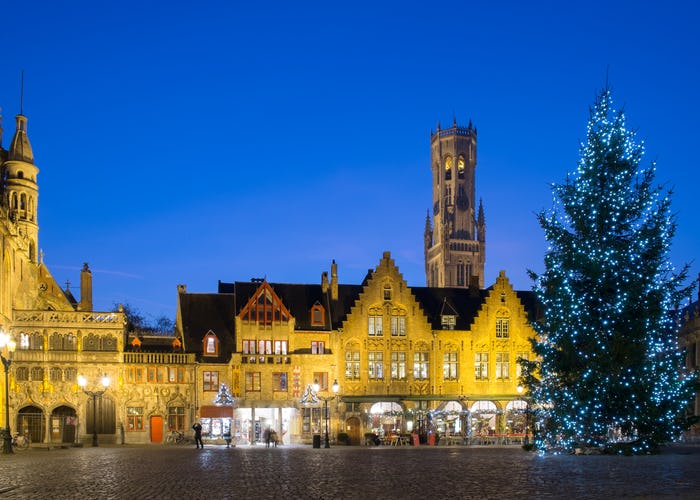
(183, 142)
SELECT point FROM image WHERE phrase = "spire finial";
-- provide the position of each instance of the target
(21, 95)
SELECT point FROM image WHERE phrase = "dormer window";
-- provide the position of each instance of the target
(317, 315)
(448, 321)
(210, 344)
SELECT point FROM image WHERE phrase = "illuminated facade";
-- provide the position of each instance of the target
(57, 337)
(441, 360)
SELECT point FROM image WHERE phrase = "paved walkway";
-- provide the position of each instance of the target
(342, 472)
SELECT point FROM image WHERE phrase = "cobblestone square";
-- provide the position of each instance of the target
(343, 472)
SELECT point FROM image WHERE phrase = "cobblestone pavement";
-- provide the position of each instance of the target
(141, 472)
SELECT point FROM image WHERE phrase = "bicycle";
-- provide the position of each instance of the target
(20, 442)
(176, 437)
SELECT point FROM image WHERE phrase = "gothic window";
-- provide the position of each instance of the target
(70, 374)
(461, 269)
(460, 167)
(448, 195)
(37, 373)
(448, 168)
(55, 374)
(22, 373)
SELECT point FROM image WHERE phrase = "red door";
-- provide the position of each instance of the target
(156, 429)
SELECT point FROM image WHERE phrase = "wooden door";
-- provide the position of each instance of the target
(156, 429)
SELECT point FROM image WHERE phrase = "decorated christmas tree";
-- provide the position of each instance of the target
(608, 374)
(223, 397)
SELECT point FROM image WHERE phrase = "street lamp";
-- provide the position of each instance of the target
(326, 399)
(6, 341)
(520, 390)
(82, 382)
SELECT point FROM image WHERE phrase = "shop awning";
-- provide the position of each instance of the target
(216, 411)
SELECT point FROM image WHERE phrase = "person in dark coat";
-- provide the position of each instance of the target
(198, 435)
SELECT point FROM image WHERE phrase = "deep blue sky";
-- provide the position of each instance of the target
(183, 143)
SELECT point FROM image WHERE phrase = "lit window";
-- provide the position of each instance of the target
(502, 328)
(460, 167)
(249, 347)
(449, 367)
(210, 381)
(420, 365)
(281, 347)
(374, 326)
(321, 378)
(176, 418)
(134, 418)
(211, 344)
(448, 322)
(481, 365)
(502, 365)
(318, 347)
(376, 364)
(398, 365)
(448, 168)
(398, 326)
(352, 365)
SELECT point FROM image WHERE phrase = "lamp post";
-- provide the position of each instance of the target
(7, 342)
(82, 382)
(326, 399)
(520, 390)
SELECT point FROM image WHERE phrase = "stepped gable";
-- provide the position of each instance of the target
(204, 312)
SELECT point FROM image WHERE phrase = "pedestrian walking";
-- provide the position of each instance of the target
(198, 435)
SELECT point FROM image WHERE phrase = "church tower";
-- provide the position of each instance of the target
(455, 242)
(20, 189)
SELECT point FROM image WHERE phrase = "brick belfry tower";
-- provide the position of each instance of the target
(455, 242)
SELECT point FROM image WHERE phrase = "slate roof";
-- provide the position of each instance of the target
(201, 312)
(217, 311)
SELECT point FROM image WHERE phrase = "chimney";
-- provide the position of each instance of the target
(324, 282)
(85, 289)
(334, 280)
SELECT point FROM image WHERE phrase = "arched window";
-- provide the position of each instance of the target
(22, 374)
(448, 168)
(55, 374)
(460, 167)
(37, 373)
